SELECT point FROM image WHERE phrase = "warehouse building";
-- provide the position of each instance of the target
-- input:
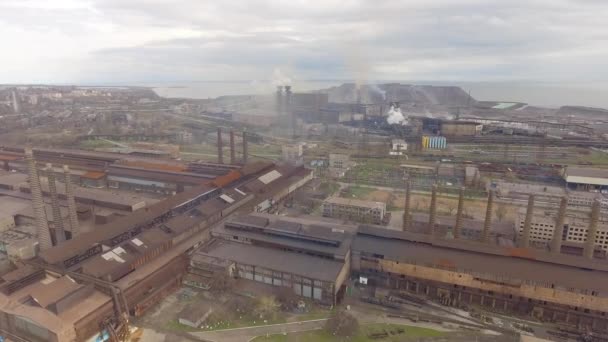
(355, 210)
(559, 288)
(581, 178)
(280, 252)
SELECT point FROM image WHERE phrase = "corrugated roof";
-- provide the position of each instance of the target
(277, 260)
(269, 177)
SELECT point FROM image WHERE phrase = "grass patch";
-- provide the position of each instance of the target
(174, 325)
(411, 333)
(357, 191)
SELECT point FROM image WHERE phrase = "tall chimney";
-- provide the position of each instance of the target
(42, 228)
(232, 157)
(525, 238)
(592, 230)
(279, 100)
(406, 211)
(558, 232)
(57, 219)
(220, 148)
(433, 210)
(245, 148)
(485, 236)
(69, 193)
(458, 224)
(289, 112)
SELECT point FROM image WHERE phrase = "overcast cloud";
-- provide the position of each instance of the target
(125, 41)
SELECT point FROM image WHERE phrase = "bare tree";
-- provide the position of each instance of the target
(342, 324)
(266, 306)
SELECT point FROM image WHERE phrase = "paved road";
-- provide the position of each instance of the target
(248, 333)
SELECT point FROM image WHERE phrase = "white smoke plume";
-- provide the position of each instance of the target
(279, 78)
(396, 117)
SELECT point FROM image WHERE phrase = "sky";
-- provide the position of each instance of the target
(122, 41)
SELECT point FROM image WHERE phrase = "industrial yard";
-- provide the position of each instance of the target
(413, 211)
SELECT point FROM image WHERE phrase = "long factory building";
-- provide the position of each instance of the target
(457, 269)
(101, 277)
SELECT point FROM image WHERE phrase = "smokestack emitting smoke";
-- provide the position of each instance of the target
(69, 193)
(42, 228)
(57, 219)
(396, 117)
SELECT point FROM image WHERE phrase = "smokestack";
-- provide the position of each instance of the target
(279, 100)
(406, 211)
(525, 238)
(289, 113)
(458, 223)
(485, 237)
(556, 243)
(433, 210)
(220, 148)
(592, 230)
(69, 193)
(245, 149)
(42, 228)
(232, 157)
(57, 219)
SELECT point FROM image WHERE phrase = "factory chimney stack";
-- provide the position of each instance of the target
(406, 211)
(245, 148)
(57, 219)
(433, 210)
(458, 224)
(556, 243)
(42, 228)
(232, 156)
(525, 238)
(69, 193)
(592, 230)
(485, 237)
(279, 100)
(220, 148)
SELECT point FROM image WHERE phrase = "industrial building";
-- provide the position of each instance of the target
(280, 252)
(355, 210)
(124, 267)
(582, 178)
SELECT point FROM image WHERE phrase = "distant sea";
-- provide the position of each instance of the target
(533, 93)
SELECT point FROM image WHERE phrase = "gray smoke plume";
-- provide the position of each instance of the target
(378, 90)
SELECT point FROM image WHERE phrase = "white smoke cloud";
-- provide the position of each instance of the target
(280, 78)
(376, 89)
(396, 117)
